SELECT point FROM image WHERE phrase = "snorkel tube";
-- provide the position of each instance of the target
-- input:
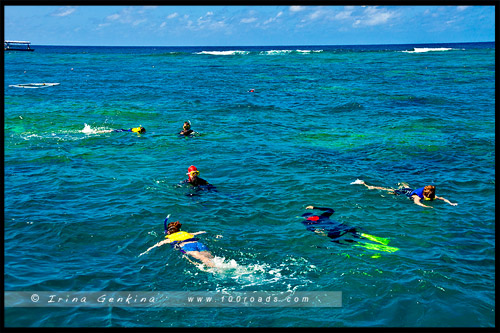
(165, 223)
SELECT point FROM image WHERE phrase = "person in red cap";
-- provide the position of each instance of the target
(193, 177)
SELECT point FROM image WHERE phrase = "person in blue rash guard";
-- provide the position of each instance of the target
(426, 193)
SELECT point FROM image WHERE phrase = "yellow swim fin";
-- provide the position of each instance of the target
(377, 247)
(380, 240)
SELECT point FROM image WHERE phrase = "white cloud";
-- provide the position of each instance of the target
(345, 14)
(297, 8)
(64, 11)
(273, 19)
(373, 16)
(137, 22)
(102, 25)
(173, 15)
(131, 15)
(248, 20)
(462, 8)
(316, 14)
(113, 17)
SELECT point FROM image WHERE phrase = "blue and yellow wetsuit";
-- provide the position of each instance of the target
(411, 192)
(134, 130)
(185, 242)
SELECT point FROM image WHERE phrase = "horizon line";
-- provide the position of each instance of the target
(269, 45)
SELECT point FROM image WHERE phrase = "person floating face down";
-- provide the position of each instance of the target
(186, 242)
(321, 224)
(139, 130)
(426, 193)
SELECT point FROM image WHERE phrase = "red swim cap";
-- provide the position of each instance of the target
(191, 169)
(313, 218)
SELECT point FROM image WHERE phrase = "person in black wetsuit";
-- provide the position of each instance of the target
(321, 224)
(198, 183)
(186, 129)
(193, 178)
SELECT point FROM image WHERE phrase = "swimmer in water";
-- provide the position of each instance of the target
(426, 193)
(186, 129)
(322, 225)
(139, 129)
(193, 177)
(186, 243)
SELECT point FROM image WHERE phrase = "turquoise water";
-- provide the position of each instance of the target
(81, 203)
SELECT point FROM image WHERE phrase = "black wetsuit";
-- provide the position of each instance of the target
(333, 230)
(187, 132)
(199, 185)
(197, 181)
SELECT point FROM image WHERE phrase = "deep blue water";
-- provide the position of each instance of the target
(82, 203)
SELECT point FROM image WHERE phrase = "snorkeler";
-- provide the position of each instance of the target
(186, 129)
(139, 129)
(427, 193)
(193, 178)
(186, 243)
(322, 225)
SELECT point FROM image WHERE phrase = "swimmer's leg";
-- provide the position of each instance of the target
(204, 256)
(370, 187)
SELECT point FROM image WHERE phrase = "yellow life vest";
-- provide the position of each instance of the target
(179, 236)
(136, 129)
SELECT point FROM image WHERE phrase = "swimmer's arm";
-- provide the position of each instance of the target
(417, 201)
(198, 233)
(446, 200)
(166, 241)
(327, 211)
(321, 232)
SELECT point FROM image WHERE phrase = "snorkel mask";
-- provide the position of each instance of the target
(192, 172)
(429, 192)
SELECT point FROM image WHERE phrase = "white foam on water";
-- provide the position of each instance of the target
(428, 49)
(224, 53)
(256, 274)
(89, 130)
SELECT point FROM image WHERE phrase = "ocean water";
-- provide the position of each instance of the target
(81, 203)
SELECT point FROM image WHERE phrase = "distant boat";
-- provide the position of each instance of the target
(13, 45)
(33, 85)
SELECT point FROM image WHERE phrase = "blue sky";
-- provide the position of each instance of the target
(247, 25)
